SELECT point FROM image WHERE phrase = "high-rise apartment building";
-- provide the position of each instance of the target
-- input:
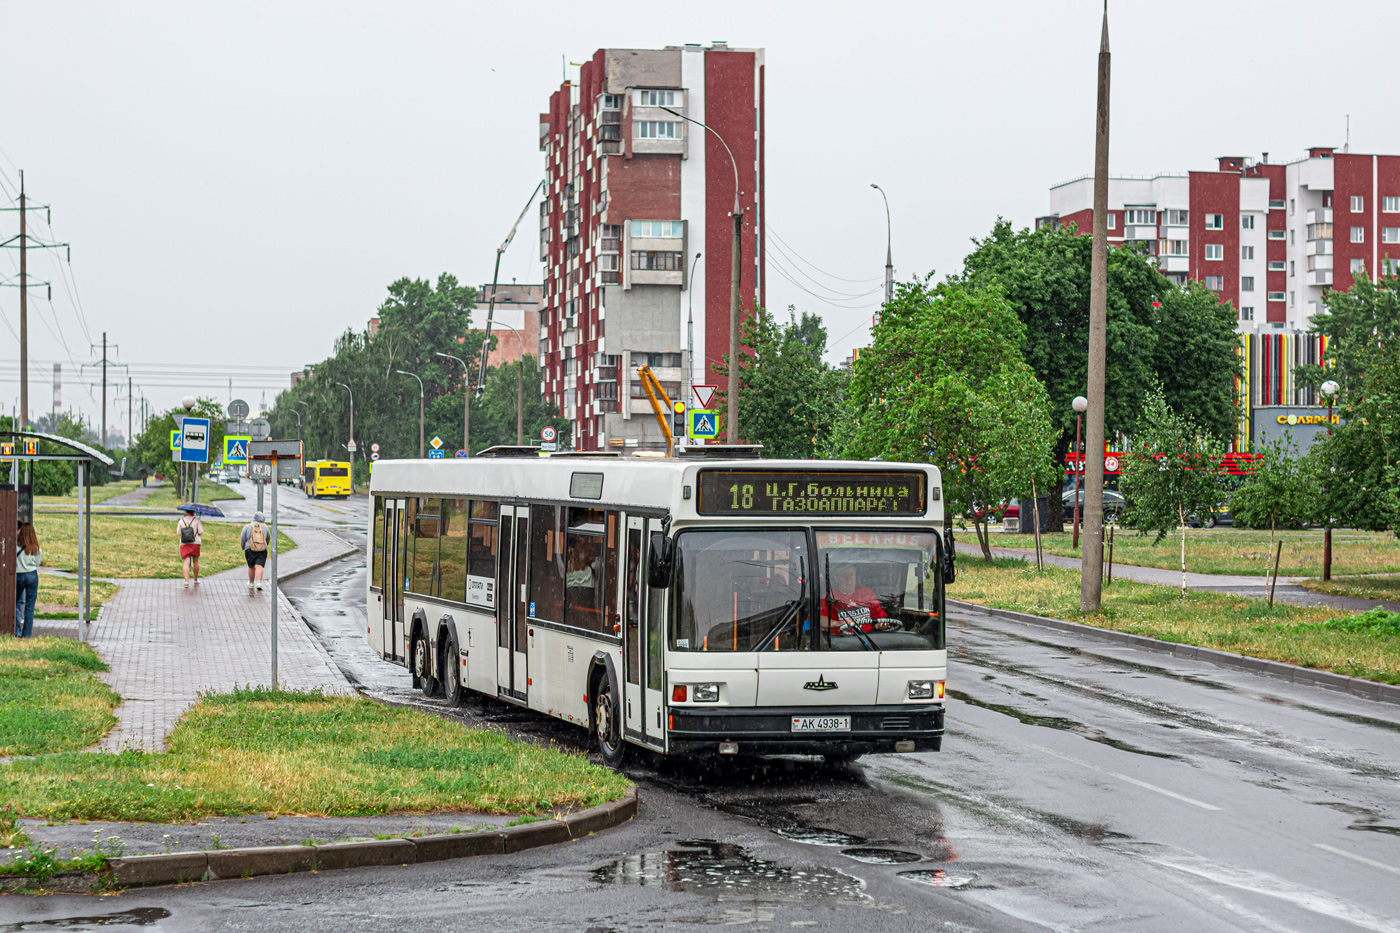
(1270, 238)
(633, 193)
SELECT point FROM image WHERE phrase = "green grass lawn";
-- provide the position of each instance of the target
(1358, 587)
(1292, 634)
(99, 493)
(1237, 551)
(139, 547)
(210, 493)
(50, 700)
(295, 753)
(58, 596)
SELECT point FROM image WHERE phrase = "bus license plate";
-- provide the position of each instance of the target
(821, 724)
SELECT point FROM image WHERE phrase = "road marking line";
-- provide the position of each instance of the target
(1131, 780)
(1359, 858)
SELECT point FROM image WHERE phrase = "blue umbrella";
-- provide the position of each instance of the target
(199, 508)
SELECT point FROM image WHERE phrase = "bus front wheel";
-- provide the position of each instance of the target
(607, 731)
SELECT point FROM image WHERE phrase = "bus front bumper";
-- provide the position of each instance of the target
(769, 731)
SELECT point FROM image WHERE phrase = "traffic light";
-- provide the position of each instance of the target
(678, 420)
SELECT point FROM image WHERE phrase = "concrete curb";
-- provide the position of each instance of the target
(180, 867)
(1356, 686)
(283, 577)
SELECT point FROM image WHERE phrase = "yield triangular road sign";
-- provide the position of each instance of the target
(701, 396)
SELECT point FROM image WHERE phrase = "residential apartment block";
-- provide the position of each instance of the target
(1268, 237)
(633, 195)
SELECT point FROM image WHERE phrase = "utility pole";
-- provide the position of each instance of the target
(1091, 558)
(103, 363)
(23, 242)
(128, 413)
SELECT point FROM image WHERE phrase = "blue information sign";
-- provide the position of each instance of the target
(194, 440)
(436, 454)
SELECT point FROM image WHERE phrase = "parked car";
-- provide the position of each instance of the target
(1113, 504)
(1220, 515)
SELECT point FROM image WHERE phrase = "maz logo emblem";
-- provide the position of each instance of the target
(821, 683)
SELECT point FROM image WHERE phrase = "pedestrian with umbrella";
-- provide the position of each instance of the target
(191, 531)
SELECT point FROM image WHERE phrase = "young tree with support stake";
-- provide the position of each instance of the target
(1172, 471)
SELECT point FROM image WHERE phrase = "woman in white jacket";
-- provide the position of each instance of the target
(27, 559)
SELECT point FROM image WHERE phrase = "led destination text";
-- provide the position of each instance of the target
(734, 492)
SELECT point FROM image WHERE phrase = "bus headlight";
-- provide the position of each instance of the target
(921, 690)
(705, 693)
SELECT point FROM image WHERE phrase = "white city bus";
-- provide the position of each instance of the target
(691, 606)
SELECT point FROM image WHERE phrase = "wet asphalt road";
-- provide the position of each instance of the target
(1082, 786)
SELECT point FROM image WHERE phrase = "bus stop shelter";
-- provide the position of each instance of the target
(21, 450)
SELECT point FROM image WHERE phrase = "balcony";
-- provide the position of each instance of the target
(1320, 277)
(1323, 216)
(1319, 248)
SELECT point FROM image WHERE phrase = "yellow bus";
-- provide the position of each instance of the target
(326, 478)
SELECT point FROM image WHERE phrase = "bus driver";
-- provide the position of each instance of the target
(854, 605)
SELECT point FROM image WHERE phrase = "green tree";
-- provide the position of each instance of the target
(789, 398)
(943, 367)
(1356, 323)
(1280, 490)
(1172, 471)
(494, 414)
(1184, 338)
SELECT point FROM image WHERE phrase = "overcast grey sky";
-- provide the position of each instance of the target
(241, 181)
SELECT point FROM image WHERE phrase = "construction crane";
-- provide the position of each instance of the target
(653, 388)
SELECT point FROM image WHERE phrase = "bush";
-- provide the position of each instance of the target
(53, 478)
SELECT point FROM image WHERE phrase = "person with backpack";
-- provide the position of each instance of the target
(191, 531)
(253, 540)
(27, 558)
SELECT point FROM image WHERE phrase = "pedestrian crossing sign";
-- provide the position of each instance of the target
(236, 449)
(175, 439)
(704, 423)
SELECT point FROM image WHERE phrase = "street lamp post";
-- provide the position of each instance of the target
(689, 333)
(889, 247)
(731, 416)
(404, 372)
(350, 446)
(519, 383)
(1081, 404)
(188, 402)
(466, 402)
(1329, 389)
(293, 410)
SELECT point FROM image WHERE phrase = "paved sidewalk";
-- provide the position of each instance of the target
(166, 644)
(137, 496)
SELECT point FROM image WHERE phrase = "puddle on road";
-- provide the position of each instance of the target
(816, 836)
(729, 872)
(873, 855)
(939, 878)
(1059, 722)
(136, 917)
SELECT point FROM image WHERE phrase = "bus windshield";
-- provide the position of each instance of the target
(801, 590)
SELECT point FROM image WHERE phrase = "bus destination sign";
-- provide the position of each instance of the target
(788, 492)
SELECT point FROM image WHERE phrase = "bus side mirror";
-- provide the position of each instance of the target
(659, 559)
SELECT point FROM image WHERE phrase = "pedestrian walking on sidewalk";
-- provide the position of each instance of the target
(191, 531)
(27, 559)
(253, 540)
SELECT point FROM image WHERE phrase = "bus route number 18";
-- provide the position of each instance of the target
(746, 500)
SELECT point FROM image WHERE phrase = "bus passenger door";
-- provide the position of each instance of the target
(512, 568)
(633, 573)
(391, 581)
(652, 645)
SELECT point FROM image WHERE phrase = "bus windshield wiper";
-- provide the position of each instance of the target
(789, 612)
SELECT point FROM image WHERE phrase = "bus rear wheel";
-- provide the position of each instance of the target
(607, 731)
(452, 674)
(422, 677)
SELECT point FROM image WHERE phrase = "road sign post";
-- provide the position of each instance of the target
(265, 450)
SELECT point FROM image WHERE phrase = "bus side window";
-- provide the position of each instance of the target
(585, 570)
(546, 563)
(611, 616)
(376, 578)
(453, 549)
(656, 613)
(426, 570)
(483, 539)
